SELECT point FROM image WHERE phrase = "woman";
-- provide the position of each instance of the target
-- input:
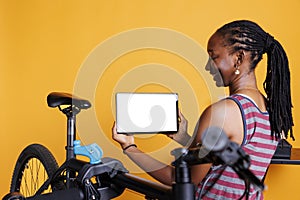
(246, 116)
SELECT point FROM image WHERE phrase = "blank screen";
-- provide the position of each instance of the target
(146, 112)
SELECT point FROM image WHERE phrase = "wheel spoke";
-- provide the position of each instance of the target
(31, 171)
(38, 165)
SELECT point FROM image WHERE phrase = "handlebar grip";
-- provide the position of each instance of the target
(214, 139)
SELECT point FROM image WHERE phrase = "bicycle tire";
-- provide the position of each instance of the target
(41, 159)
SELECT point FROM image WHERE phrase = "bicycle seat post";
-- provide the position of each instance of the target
(71, 113)
(71, 135)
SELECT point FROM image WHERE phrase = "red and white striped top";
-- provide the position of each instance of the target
(224, 183)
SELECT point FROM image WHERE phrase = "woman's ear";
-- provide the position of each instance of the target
(240, 55)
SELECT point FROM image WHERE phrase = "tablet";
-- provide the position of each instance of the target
(147, 112)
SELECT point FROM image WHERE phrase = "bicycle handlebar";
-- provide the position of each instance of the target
(218, 149)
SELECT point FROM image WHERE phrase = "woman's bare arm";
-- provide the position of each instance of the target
(158, 170)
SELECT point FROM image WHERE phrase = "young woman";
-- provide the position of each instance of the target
(246, 116)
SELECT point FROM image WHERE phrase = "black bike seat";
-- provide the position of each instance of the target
(55, 99)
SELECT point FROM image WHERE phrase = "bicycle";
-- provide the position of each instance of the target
(105, 178)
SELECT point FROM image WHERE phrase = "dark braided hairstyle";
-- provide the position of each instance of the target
(248, 36)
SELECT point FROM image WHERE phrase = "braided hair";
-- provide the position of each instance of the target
(248, 36)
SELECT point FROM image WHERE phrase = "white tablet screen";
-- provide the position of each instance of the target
(146, 112)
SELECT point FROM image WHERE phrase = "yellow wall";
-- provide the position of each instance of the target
(44, 46)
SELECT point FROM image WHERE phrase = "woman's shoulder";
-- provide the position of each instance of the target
(221, 112)
(223, 105)
(226, 115)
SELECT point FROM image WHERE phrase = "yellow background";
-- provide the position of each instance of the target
(44, 43)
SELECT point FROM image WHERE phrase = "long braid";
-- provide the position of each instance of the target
(248, 36)
(277, 88)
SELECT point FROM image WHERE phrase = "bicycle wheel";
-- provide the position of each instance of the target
(33, 167)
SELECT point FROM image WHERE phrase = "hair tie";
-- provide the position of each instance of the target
(131, 145)
(269, 43)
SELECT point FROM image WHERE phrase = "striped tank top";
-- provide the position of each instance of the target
(222, 182)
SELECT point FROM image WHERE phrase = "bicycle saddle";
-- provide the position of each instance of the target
(55, 99)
